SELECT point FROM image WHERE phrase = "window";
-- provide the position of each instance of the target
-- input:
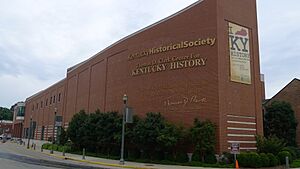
(54, 99)
(46, 102)
(41, 104)
(59, 97)
(50, 100)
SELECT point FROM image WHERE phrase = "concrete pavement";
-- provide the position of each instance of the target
(108, 162)
(13, 156)
(115, 163)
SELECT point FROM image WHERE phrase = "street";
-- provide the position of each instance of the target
(14, 156)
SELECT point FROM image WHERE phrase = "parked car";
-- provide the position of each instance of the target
(5, 136)
(8, 136)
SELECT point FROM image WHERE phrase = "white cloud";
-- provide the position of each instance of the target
(279, 42)
(17, 88)
(41, 39)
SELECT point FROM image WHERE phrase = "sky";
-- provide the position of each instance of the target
(39, 40)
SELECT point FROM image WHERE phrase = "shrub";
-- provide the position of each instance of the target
(68, 149)
(265, 161)
(196, 156)
(168, 156)
(46, 146)
(157, 155)
(292, 151)
(242, 158)
(281, 156)
(254, 160)
(55, 147)
(210, 159)
(62, 148)
(251, 159)
(133, 153)
(269, 145)
(297, 152)
(227, 158)
(273, 161)
(182, 157)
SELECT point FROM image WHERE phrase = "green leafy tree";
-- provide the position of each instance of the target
(147, 131)
(95, 131)
(203, 137)
(77, 129)
(269, 145)
(280, 121)
(106, 130)
(5, 114)
(169, 136)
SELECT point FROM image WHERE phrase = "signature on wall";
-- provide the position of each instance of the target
(185, 101)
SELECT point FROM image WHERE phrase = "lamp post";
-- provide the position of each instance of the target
(53, 140)
(125, 99)
(29, 133)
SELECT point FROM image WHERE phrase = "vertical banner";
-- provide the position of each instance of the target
(239, 54)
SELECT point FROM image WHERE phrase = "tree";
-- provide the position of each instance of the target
(105, 130)
(203, 137)
(147, 131)
(95, 131)
(280, 121)
(169, 136)
(269, 145)
(5, 114)
(77, 128)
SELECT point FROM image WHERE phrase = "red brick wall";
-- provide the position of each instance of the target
(44, 115)
(181, 95)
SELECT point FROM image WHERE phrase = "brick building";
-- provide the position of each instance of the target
(18, 110)
(291, 94)
(5, 127)
(201, 62)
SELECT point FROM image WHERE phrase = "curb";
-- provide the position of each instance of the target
(98, 163)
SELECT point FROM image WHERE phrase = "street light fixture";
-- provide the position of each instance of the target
(53, 140)
(125, 99)
(29, 133)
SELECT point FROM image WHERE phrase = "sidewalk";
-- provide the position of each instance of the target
(108, 162)
(115, 163)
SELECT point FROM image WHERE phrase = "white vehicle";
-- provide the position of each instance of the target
(6, 136)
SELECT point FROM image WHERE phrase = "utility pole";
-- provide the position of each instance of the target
(125, 99)
(29, 133)
(53, 140)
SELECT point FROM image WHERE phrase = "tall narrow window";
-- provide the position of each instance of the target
(59, 97)
(54, 99)
(46, 102)
(41, 104)
(50, 100)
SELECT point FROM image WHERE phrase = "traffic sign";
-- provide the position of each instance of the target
(235, 148)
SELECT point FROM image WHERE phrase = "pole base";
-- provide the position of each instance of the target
(122, 162)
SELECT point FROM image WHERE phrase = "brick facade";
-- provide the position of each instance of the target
(181, 91)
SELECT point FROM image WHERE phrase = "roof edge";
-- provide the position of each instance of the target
(268, 100)
(70, 69)
(32, 96)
